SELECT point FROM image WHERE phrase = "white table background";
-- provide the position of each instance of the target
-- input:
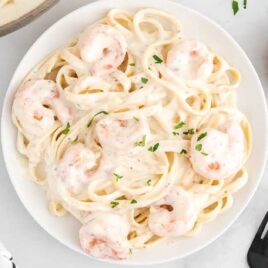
(32, 247)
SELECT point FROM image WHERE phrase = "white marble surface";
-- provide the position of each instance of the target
(32, 247)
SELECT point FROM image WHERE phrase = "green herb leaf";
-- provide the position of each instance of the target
(153, 148)
(175, 133)
(149, 182)
(205, 154)
(67, 129)
(198, 147)
(136, 118)
(64, 131)
(114, 204)
(189, 132)
(202, 136)
(157, 59)
(132, 64)
(130, 251)
(235, 6)
(183, 151)
(245, 4)
(117, 176)
(144, 80)
(180, 125)
(91, 120)
(142, 142)
(133, 201)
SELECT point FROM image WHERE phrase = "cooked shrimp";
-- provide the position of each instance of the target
(36, 105)
(115, 134)
(77, 166)
(173, 215)
(105, 236)
(220, 153)
(103, 47)
(190, 60)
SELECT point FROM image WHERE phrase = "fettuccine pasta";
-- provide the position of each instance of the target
(134, 130)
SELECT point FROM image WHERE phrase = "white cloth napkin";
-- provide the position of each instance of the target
(6, 259)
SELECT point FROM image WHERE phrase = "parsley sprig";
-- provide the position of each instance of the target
(202, 136)
(91, 120)
(235, 5)
(153, 148)
(190, 131)
(198, 147)
(183, 151)
(64, 131)
(144, 80)
(117, 176)
(114, 204)
(142, 142)
(157, 59)
(180, 125)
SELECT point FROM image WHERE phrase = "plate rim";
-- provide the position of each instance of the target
(27, 18)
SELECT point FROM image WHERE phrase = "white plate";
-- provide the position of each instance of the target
(251, 101)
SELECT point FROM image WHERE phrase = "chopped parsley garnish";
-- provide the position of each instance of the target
(114, 204)
(202, 136)
(183, 151)
(132, 64)
(133, 201)
(175, 133)
(245, 4)
(144, 80)
(205, 154)
(67, 129)
(153, 148)
(149, 182)
(235, 6)
(64, 131)
(136, 118)
(91, 120)
(130, 251)
(157, 59)
(189, 132)
(180, 125)
(117, 176)
(198, 147)
(142, 142)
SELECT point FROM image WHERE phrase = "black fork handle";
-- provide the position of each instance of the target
(257, 256)
(261, 228)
